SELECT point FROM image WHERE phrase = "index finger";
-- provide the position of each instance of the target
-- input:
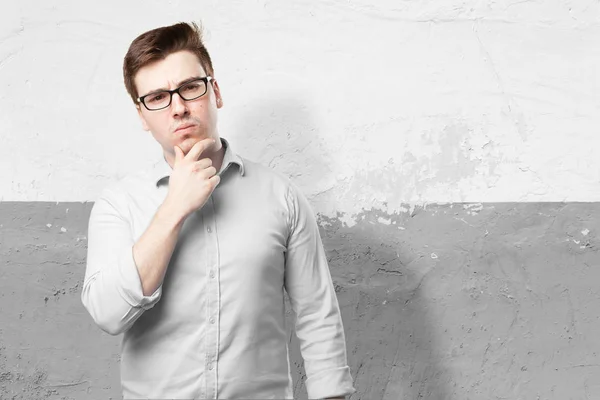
(198, 149)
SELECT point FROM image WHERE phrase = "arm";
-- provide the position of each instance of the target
(123, 278)
(153, 251)
(312, 295)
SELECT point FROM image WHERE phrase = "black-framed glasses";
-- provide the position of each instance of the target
(188, 91)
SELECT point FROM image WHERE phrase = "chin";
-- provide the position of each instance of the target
(186, 143)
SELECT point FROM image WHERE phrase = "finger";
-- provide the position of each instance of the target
(202, 164)
(198, 149)
(214, 180)
(208, 172)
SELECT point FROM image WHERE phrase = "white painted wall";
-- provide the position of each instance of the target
(363, 103)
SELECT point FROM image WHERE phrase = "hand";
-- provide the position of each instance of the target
(192, 180)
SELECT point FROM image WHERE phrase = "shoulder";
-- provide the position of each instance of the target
(261, 173)
(122, 191)
(276, 183)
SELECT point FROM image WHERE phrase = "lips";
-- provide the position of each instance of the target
(184, 126)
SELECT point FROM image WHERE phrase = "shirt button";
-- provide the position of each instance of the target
(212, 274)
(209, 230)
(210, 366)
(212, 320)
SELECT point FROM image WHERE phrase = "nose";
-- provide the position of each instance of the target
(178, 106)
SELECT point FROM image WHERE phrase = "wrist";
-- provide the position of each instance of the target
(170, 215)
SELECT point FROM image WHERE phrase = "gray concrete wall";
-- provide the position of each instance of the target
(460, 301)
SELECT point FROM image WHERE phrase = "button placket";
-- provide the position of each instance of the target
(212, 303)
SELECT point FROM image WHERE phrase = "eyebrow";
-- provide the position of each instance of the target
(183, 82)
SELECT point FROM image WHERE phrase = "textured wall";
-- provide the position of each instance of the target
(365, 104)
(448, 147)
(461, 303)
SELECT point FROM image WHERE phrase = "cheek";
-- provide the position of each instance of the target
(158, 124)
(160, 130)
(204, 111)
(210, 118)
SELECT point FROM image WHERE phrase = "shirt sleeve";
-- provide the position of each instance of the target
(312, 296)
(112, 289)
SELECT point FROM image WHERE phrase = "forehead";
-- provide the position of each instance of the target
(166, 73)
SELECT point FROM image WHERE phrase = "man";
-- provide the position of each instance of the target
(190, 259)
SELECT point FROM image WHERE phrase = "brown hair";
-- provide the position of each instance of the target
(157, 44)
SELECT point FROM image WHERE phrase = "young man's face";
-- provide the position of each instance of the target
(201, 113)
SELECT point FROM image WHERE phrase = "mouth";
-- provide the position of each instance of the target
(184, 127)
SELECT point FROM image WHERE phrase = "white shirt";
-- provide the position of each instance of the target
(215, 328)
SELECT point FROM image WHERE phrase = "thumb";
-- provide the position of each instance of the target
(178, 153)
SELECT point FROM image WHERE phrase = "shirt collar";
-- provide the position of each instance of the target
(162, 169)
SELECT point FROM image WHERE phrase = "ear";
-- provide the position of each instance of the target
(217, 90)
(142, 118)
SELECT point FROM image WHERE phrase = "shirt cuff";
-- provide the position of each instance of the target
(131, 287)
(330, 383)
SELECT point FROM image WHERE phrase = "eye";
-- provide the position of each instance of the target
(156, 97)
(191, 87)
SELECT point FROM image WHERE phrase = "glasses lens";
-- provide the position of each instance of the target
(158, 100)
(193, 90)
